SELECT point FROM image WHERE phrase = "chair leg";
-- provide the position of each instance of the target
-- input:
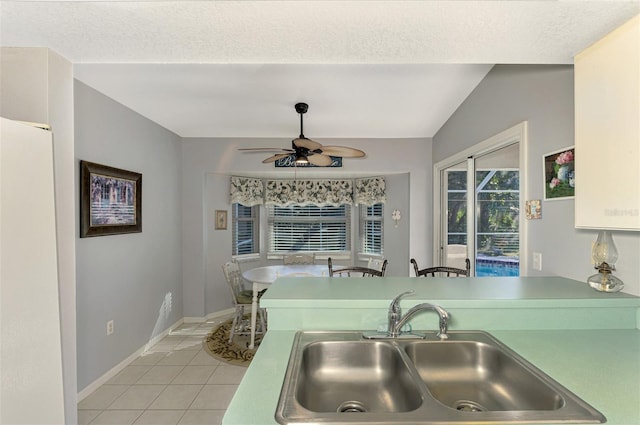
(237, 320)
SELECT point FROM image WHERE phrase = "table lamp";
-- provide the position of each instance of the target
(604, 255)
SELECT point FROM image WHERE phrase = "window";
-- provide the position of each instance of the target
(497, 203)
(309, 228)
(371, 236)
(246, 229)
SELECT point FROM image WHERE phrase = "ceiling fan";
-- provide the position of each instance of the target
(308, 151)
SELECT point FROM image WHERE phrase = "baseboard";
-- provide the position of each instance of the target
(126, 362)
(153, 341)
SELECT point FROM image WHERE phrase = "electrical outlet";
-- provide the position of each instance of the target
(109, 327)
(537, 261)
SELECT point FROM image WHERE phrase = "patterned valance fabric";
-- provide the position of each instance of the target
(247, 191)
(308, 192)
(370, 191)
(250, 191)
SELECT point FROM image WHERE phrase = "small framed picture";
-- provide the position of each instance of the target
(534, 209)
(559, 174)
(221, 219)
(110, 200)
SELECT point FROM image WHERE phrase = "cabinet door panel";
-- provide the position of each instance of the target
(607, 131)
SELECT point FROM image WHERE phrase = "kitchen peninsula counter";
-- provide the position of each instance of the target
(586, 340)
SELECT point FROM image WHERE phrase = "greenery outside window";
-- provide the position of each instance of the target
(371, 229)
(498, 197)
(245, 229)
(309, 228)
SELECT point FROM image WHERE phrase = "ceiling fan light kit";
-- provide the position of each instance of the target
(301, 159)
(307, 151)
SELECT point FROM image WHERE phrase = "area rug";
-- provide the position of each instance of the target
(236, 353)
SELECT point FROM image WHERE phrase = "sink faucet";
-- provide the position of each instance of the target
(397, 320)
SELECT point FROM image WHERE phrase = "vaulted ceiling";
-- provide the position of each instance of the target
(366, 68)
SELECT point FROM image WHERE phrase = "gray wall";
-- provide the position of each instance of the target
(543, 96)
(208, 163)
(36, 85)
(134, 279)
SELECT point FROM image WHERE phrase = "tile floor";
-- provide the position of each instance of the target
(174, 383)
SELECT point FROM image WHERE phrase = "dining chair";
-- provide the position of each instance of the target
(376, 263)
(299, 259)
(355, 271)
(241, 297)
(442, 270)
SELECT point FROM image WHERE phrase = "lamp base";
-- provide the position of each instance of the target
(605, 282)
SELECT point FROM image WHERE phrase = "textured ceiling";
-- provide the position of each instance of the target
(367, 68)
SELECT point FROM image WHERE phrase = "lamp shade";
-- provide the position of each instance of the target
(604, 250)
(604, 255)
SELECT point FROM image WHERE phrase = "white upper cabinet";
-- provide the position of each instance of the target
(607, 131)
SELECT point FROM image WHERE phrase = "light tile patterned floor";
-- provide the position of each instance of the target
(174, 383)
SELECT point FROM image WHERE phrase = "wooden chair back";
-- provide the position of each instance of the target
(377, 263)
(442, 270)
(356, 271)
(235, 281)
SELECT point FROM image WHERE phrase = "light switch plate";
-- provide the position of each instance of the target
(537, 261)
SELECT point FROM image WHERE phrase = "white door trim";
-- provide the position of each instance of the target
(517, 133)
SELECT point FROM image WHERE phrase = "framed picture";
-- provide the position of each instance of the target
(221, 219)
(534, 209)
(110, 200)
(559, 174)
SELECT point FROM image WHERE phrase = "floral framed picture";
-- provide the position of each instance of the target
(110, 200)
(559, 174)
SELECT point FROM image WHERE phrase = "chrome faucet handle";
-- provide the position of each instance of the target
(394, 315)
(394, 307)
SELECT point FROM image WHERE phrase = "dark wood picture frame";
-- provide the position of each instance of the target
(110, 200)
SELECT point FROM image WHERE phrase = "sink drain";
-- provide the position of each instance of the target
(468, 406)
(351, 407)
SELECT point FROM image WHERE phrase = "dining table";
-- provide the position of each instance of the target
(262, 277)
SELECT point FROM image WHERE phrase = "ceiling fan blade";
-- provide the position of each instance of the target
(274, 158)
(320, 160)
(307, 144)
(342, 151)
(267, 150)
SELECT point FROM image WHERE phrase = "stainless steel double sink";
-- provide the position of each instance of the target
(470, 378)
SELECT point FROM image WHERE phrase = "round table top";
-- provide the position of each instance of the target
(268, 274)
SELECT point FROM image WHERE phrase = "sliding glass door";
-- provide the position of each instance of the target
(480, 212)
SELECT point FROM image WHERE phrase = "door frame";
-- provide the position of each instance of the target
(515, 134)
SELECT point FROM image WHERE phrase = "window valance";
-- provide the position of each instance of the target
(370, 191)
(246, 191)
(250, 191)
(308, 192)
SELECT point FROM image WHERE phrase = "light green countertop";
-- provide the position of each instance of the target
(314, 292)
(598, 358)
(601, 366)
